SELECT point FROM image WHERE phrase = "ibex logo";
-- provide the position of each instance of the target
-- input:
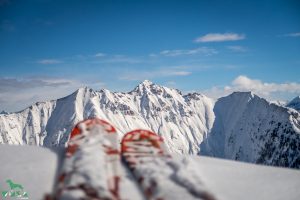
(16, 191)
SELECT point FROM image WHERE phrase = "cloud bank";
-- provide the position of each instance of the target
(179, 52)
(293, 34)
(271, 91)
(220, 37)
(157, 73)
(17, 94)
(237, 48)
(49, 61)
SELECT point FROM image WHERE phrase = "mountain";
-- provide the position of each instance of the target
(249, 128)
(295, 103)
(241, 126)
(4, 112)
(181, 119)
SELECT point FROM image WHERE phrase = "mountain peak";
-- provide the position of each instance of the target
(296, 99)
(242, 95)
(295, 103)
(82, 89)
(143, 86)
(146, 83)
(4, 112)
(82, 93)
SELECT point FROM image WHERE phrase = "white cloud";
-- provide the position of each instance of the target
(171, 83)
(99, 55)
(142, 75)
(272, 91)
(49, 61)
(122, 59)
(179, 73)
(17, 94)
(243, 83)
(293, 34)
(220, 37)
(152, 55)
(237, 48)
(15, 85)
(179, 52)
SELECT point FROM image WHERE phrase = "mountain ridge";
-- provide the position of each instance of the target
(190, 123)
(256, 131)
(148, 106)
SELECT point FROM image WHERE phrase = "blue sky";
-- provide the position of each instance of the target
(49, 48)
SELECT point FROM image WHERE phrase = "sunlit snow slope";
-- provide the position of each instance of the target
(181, 119)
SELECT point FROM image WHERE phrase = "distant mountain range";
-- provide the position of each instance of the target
(241, 126)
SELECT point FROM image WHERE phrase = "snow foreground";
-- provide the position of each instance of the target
(241, 126)
(36, 169)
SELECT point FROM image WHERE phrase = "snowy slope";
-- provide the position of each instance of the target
(249, 128)
(181, 119)
(295, 103)
(35, 168)
(32, 167)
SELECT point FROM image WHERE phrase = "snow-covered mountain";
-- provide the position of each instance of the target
(241, 126)
(181, 119)
(249, 128)
(295, 103)
(4, 112)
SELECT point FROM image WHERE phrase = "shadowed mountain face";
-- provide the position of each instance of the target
(241, 126)
(250, 129)
(295, 103)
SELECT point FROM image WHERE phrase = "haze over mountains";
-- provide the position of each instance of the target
(241, 126)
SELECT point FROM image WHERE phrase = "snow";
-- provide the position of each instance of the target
(36, 167)
(32, 167)
(231, 180)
